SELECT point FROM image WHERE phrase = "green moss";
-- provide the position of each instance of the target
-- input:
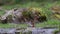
(56, 32)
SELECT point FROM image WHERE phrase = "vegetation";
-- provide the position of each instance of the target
(44, 5)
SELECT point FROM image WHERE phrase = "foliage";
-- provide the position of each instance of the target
(23, 1)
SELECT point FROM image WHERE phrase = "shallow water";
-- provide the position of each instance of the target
(34, 31)
(8, 31)
(43, 31)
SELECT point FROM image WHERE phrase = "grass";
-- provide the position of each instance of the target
(50, 21)
(9, 25)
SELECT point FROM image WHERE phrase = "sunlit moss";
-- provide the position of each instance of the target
(58, 16)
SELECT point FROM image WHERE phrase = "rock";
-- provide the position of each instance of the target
(22, 15)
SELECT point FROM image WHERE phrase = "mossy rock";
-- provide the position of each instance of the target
(56, 32)
(57, 16)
